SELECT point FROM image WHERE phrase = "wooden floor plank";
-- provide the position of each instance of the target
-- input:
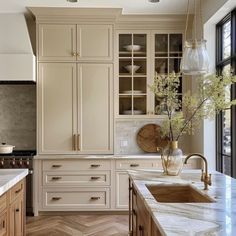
(77, 225)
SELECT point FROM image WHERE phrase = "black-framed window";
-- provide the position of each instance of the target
(226, 120)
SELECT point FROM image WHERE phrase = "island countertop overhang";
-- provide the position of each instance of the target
(217, 218)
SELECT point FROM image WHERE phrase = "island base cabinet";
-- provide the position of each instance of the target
(16, 218)
(12, 211)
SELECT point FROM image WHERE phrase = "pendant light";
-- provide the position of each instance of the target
(195, 59)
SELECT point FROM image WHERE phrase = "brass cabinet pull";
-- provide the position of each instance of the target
(3, 224)
(17, 209)
(75, 142)
(78, 142)
(56, 166)
(95, 198)
(56, 198)
(73, 54)
(95, 165)
(56, 178)
(134, 165)
(17, 191)
(95, 177)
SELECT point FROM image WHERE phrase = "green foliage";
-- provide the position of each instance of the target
(211, 98)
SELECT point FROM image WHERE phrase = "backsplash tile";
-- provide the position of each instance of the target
(126, 131)
(18, 115)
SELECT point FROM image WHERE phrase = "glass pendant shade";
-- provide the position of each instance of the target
(195, 59)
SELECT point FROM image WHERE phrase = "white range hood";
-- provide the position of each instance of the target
(17, 61)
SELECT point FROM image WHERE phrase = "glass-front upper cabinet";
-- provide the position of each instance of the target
(168, 54)
(133, 73)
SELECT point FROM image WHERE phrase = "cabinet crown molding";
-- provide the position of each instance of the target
(62, 13)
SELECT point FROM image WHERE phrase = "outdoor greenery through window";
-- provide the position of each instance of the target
(226, 120)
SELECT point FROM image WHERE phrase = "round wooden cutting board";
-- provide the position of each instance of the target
(149, 138)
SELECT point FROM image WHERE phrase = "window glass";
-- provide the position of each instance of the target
(226, 40)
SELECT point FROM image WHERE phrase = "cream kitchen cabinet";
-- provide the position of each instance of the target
(71, 42)
(75, 108)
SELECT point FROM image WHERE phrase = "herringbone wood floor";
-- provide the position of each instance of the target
(78, 225)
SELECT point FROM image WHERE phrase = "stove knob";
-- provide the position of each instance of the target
(20, 163)
(27, 163)
(2, 162)
(13, 162)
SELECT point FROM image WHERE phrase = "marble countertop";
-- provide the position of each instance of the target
(103, 157)
(10, 177)
(191, 219)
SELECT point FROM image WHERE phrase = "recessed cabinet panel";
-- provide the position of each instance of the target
(95, 107)
(94, 42)
(122, 190)
(57, 42)
(57, 84)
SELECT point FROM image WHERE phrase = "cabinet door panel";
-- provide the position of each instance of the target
(95, 108)
(57, 91)
(122, 190)
(57, 42)
(94, 42)
(16, 222)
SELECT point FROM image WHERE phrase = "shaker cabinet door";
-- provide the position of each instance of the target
(95, 108)
(94, 42)
(57, 117)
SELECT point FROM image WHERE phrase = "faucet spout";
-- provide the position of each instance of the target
(205, 177)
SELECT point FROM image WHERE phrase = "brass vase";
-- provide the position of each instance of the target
(172, 162)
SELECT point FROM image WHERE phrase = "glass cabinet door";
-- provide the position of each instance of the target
(168, 54)
(132, 74)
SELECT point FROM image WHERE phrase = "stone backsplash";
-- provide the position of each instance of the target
(126, 132)
(18, 115)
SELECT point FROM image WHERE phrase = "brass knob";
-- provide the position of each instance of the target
(74, 54)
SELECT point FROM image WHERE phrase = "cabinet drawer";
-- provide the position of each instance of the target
(72, 199)
(16, 191)
(3, 202)
(80, 178)
(75, 165)
(3, 224)
(138, 164)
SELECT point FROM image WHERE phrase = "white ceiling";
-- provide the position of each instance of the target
(129, 6)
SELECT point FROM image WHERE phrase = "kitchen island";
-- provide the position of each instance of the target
(12, 203)
(215, 216)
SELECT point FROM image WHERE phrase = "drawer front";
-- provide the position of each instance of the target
(16, 191)
(3, 224)
(75, 165)
(80, 178)
(3, 202)
(138, 164)
(73, 199)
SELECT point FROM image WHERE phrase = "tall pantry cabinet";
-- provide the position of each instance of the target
(75, 86)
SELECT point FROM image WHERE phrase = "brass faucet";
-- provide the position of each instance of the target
(206, 178)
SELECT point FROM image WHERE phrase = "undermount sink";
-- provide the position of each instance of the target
(178, 193)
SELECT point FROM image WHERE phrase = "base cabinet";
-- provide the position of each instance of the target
(141, 222)
(12, 211)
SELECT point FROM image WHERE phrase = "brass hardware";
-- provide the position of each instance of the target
(95, 177)
(56, 166)
(17, 209)
(205, 177)
(56, 198)
(3, 224)
(134, 165)
(74, 142)
(74, 54)
(17, 191)
(95, 198)
(56, 178)
(95, 165)
(78, 142)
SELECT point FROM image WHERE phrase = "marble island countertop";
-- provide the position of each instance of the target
(188, 219)
(10, 177)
